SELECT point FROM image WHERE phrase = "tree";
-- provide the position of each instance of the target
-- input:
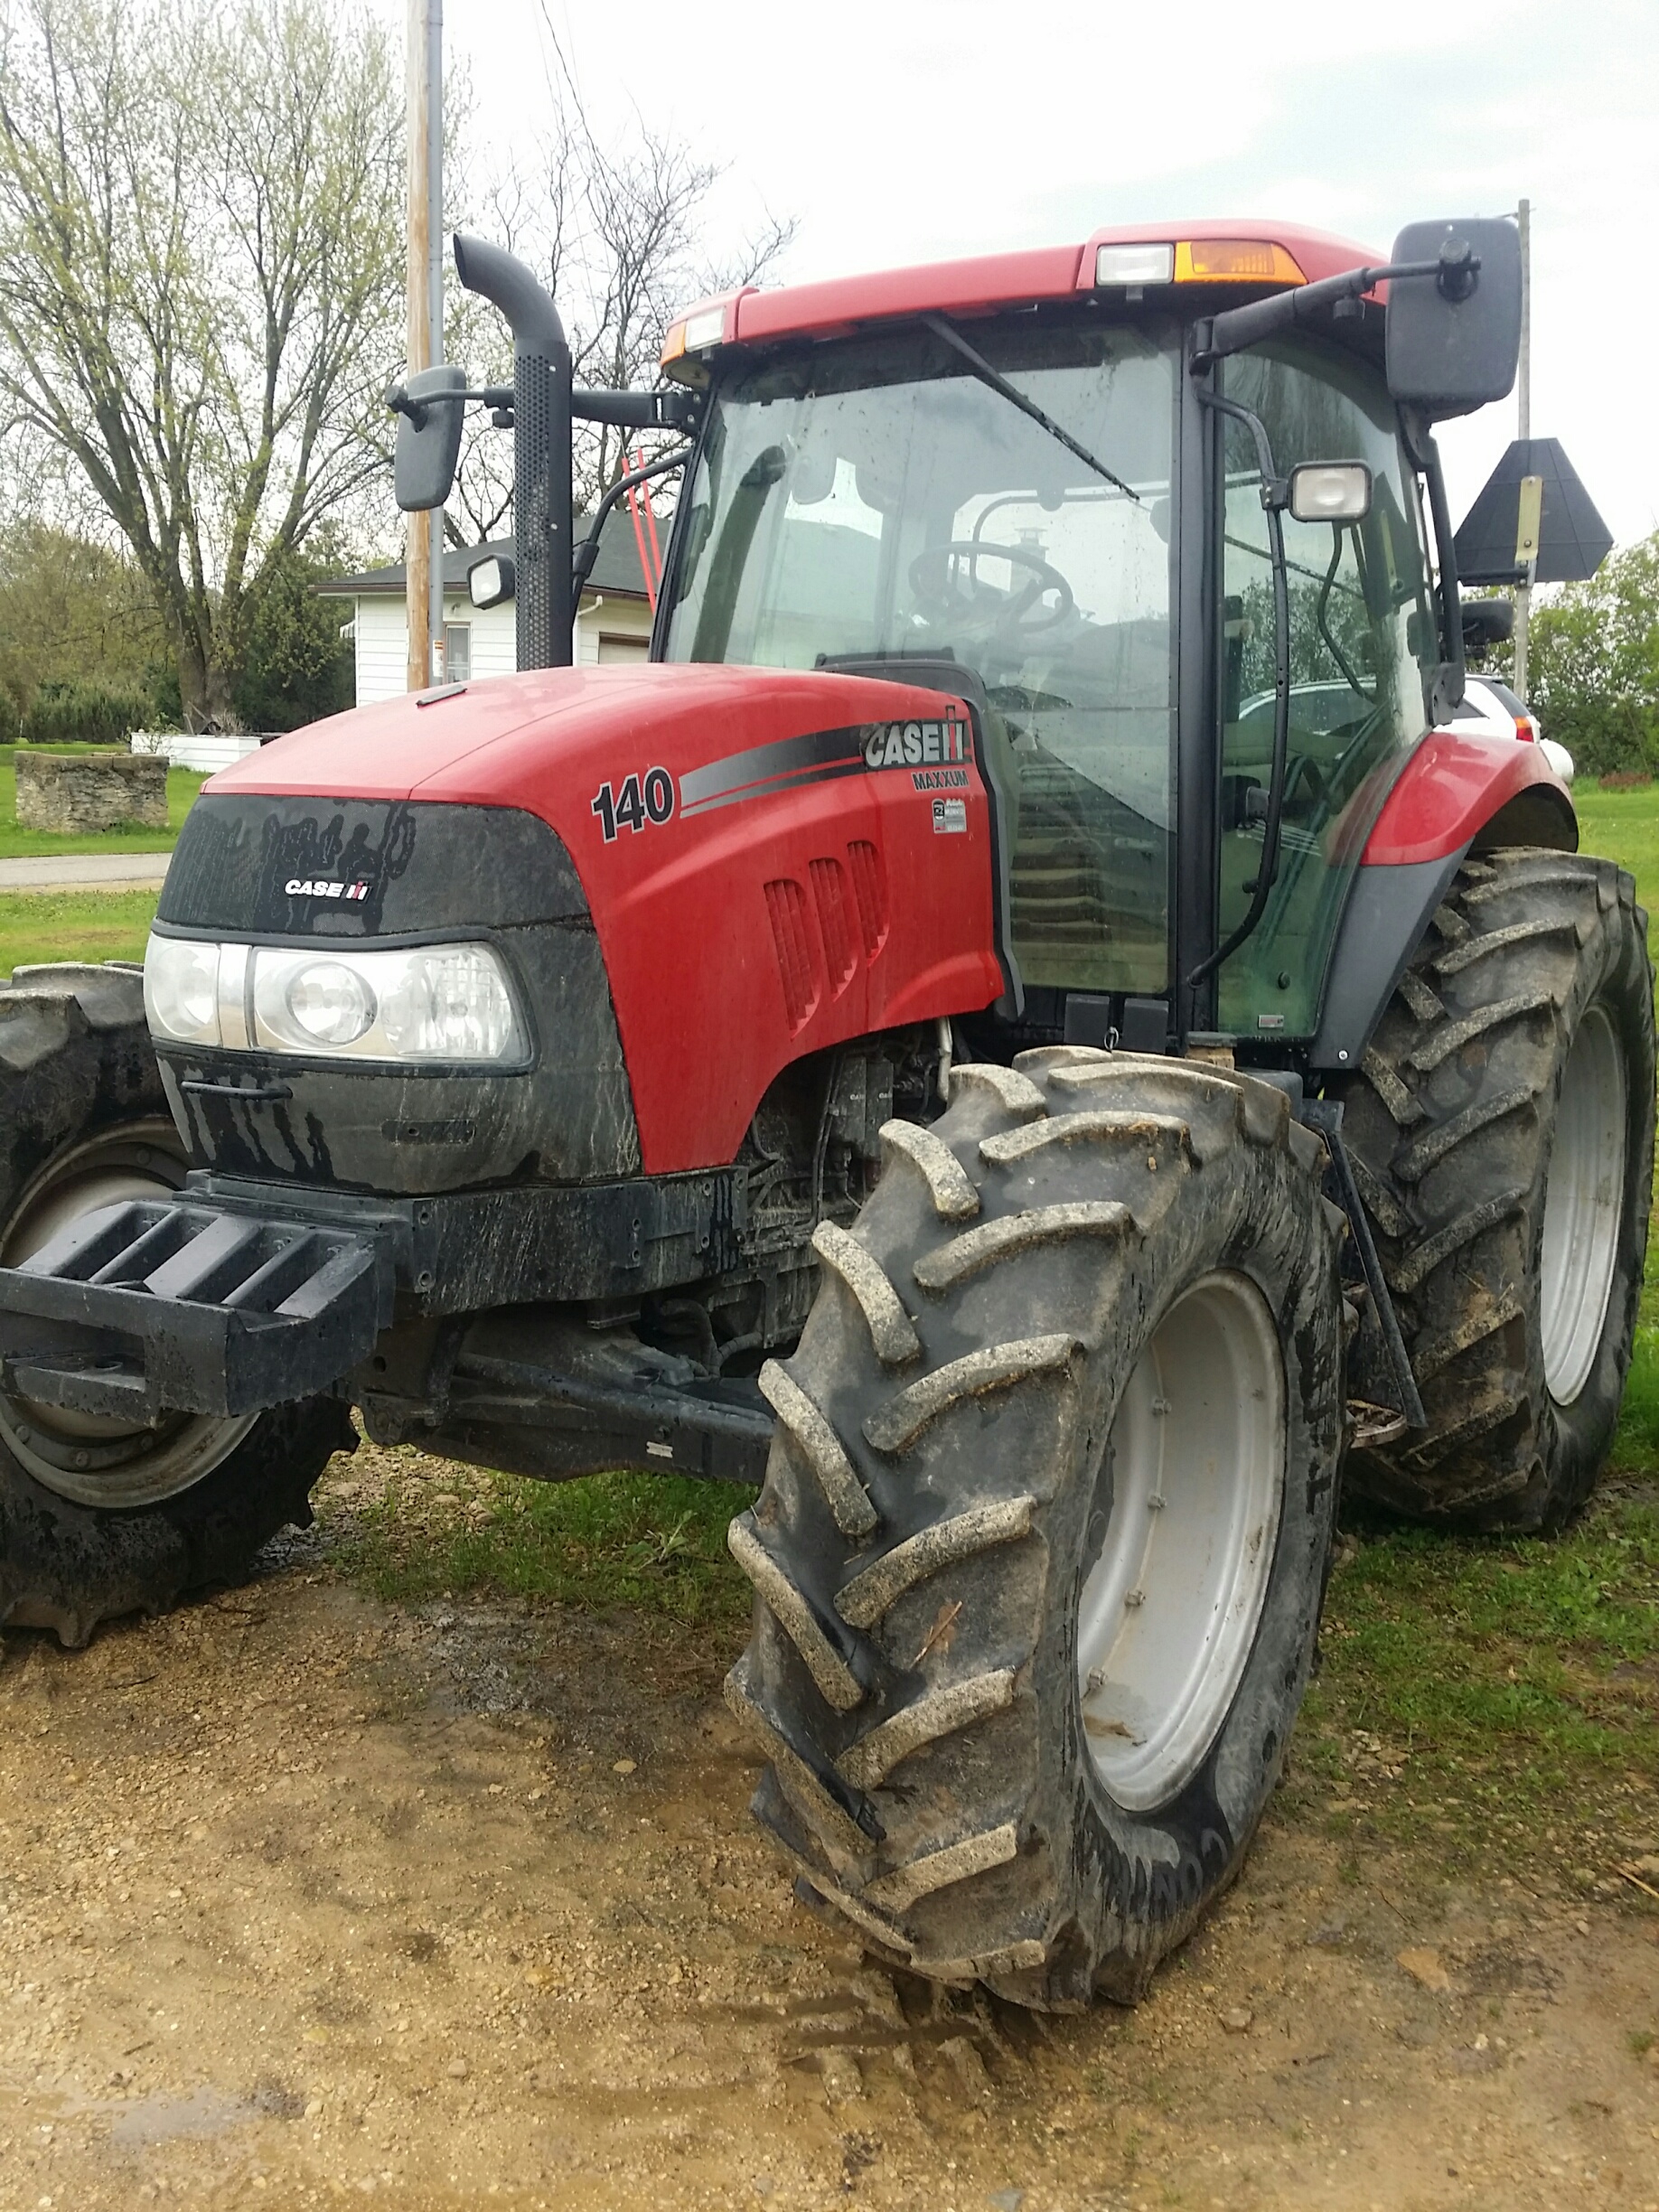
(1593, 663)
(71, 611)
(618, 237)
(298, 667)
(1594, 656)
(201, 226)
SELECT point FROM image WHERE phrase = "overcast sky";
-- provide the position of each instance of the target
(906, 130)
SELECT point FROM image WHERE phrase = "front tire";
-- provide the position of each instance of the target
(1502, 1133)
(99, 1518)
(1042, 1545)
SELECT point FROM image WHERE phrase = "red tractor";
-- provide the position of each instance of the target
(1023, 1032)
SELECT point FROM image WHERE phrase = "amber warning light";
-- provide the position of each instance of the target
(1197, 261)
(1234, 261)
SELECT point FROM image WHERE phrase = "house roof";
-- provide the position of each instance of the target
(616, 572)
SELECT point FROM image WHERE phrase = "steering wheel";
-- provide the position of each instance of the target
(942, 594)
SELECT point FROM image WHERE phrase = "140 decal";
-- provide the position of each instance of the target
(642, 801)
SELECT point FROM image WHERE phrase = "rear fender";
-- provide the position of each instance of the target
(1457, 797)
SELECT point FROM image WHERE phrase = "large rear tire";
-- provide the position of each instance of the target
(1502, 1133)
(1042, 1545)
(97, 1517)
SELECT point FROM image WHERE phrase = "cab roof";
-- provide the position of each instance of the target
(992, 281)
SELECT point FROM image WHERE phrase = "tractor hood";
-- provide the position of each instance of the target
(729, 839)
(533, 740)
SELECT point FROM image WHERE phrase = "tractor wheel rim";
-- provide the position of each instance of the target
(92, 1459)
(1583, 1206)
(1191, 1490)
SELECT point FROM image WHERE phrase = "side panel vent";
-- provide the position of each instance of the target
(792, 932)
(835, 920)
(870, 891)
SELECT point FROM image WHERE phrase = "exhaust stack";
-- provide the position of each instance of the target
(541, 517)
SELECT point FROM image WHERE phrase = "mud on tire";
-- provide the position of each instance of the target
(977, 1466)
(1531, 989)
(96, 1520)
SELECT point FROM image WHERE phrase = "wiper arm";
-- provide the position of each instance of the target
(999, 383)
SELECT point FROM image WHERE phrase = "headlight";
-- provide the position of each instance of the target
(330, 1003)
(450, 1003)
(439, 1004)
(181, 989)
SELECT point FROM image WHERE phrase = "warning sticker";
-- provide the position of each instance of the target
(949, 817)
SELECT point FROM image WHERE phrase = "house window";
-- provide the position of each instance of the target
(457, 652)
(620, 647)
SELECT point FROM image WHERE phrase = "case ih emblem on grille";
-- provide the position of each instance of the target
(307, 886)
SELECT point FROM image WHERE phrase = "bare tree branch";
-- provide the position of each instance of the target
(619, 235)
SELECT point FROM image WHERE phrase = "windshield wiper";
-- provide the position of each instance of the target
(999, 383)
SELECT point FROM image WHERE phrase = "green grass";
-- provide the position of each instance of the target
(1624, 825)
(414, 1529)
(1502, 1695)
(17, 843)
(70, 925)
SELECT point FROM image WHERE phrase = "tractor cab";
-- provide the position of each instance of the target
(873, 500)
(1084, 509)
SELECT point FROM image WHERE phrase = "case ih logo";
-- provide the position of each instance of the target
(907, 745)
(306, 886)
(817, 756)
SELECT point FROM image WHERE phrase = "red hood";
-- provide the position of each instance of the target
(526, 740)
(775, 862)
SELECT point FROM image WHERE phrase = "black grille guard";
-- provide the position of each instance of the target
(159, 1303)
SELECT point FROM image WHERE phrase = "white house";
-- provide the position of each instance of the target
(613, 624)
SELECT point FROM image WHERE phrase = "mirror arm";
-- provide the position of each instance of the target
(1446, 688)
(1275, 496)
(397, 399)
(1237, 327)
(667, 410)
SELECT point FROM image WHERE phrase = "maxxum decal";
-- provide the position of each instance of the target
(824, 755)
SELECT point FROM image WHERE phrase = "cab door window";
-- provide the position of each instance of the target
(1359, 622)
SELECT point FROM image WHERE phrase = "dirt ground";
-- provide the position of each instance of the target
(304, 1896)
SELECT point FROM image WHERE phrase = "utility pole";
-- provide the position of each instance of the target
(424, 553)
(434, 294)
(1523, 402)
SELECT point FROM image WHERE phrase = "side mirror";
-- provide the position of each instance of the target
(1454, 338)
(491, 580)
(1487, 622)
(1330, 492)
(429, 410)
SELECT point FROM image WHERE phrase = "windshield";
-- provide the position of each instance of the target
(876, 498)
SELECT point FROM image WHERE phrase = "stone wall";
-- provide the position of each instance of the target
(77, 793)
